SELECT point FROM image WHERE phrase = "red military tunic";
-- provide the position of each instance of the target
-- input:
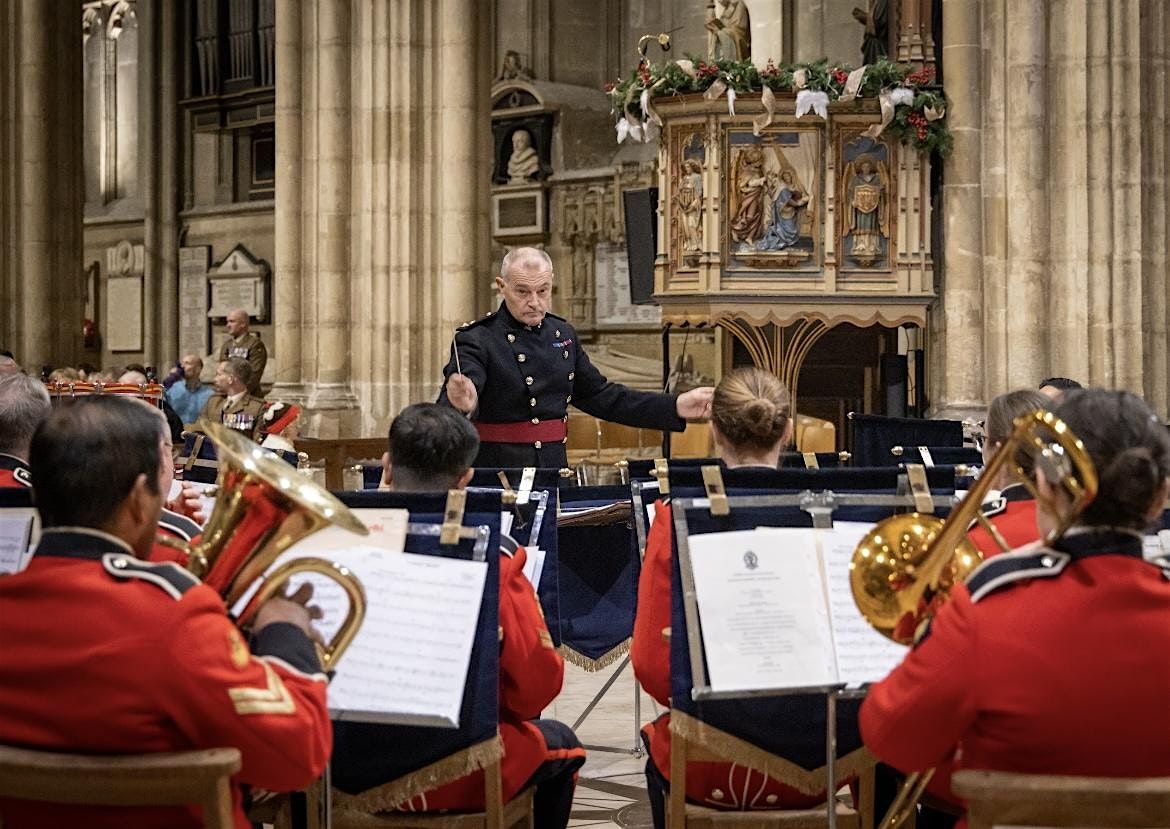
(1013, 515)
(1046, 662)
(107, 654)
(531, 674)
(14, 473)
(713, 784)
(173, 527)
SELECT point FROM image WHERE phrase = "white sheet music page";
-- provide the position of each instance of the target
(534, 565)
(863, 654)
(762, 606)
(15, 539)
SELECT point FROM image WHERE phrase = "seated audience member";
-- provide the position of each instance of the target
(106, 653)
(1051, 661)
(1013, 512)
(135, 375)
(65, 375)
(24, 403)
(281, 426)
(1057, 387)
(189, 395)
(8, 364)
(231, 404)
(750, 423)
(431, 450)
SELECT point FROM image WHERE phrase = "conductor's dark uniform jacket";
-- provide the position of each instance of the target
(527, 376)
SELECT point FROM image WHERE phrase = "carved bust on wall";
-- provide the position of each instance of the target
(523, 163)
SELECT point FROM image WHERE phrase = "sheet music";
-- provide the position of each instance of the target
(534, 566)
(763, 610)
(1156, 545)
(863, 655)
(16, 527)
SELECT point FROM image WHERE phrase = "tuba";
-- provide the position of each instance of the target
(905, 567)
(262, 508)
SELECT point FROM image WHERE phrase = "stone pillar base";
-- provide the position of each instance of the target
(331, 411)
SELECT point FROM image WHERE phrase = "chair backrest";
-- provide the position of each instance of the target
(1007, 799)
(815, 435)
(694, 442)
(200, 778)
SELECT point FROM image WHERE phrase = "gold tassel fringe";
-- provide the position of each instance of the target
(737, 750)
(386, 797)
(592, 665)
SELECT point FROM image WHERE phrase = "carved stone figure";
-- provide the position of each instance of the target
(513, 68)
(867, 195)
(523, 163)
(875, 43)
(689, 200)
(784, 230)
(751, 187)
(729, 35)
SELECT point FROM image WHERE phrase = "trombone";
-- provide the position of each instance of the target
(904, 568)
(263, 507)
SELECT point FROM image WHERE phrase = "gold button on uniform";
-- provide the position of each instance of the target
(572, 374)
(537, 444)
(565, 354)
(521, 357)
(528, 380)
(532, 401)
(569, 398)
(511, 338)
(535, 421)
(557, 333)
(716, 794)
(771, 799)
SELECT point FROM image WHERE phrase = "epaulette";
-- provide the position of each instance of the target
(508, 545)
(471, 324)
(555, 316)
(178, 525)
(989, 509)
(167, 576)
(1009, 568)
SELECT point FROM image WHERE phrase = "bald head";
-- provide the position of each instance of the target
(237, 322)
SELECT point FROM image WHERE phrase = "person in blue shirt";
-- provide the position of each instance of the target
(190, 396)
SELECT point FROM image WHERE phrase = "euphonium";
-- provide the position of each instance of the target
(907, 564)
(262, 508)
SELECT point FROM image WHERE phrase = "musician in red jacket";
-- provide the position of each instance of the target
(106, 653)
(1051, 660)
(24, 403)
(1013, 513)
(431, 450)
(751, 423)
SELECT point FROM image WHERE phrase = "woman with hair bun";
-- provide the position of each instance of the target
(751, 421)
(1052, 660)
(1013, 513)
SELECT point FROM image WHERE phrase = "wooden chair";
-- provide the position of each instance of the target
(815, 435)
(681, 814)
(695, 442)
(201, 778)
(497, 815)
(1006, 799)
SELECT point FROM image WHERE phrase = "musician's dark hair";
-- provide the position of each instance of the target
(86, 456)
(431, 446)
(751, 408)
(1129, 447)
(1061, 383)
(1004, 410)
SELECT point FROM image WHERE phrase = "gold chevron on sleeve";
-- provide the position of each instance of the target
(274, 699)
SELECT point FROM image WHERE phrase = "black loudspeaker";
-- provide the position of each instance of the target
(641, 208)
(893, 373)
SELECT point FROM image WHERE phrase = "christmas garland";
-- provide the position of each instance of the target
(916, 105)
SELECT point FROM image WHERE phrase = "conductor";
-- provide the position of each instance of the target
(515, 371)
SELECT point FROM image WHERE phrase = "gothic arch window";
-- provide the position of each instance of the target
(109, 31)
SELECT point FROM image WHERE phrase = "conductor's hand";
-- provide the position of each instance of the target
(295, 610)
(461, 393)
(695, 404)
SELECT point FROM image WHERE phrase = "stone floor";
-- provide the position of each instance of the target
(612, 788)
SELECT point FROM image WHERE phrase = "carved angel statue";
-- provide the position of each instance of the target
(730, 32)
(867, 197)
(689, 200)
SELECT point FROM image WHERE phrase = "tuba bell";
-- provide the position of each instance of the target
(262, 508)
(904, 568)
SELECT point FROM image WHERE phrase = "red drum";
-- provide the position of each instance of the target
(60, 390)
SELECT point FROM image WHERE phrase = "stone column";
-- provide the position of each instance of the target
(381, 208)
(1155, 217)
(957, 387)
(40, 173)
